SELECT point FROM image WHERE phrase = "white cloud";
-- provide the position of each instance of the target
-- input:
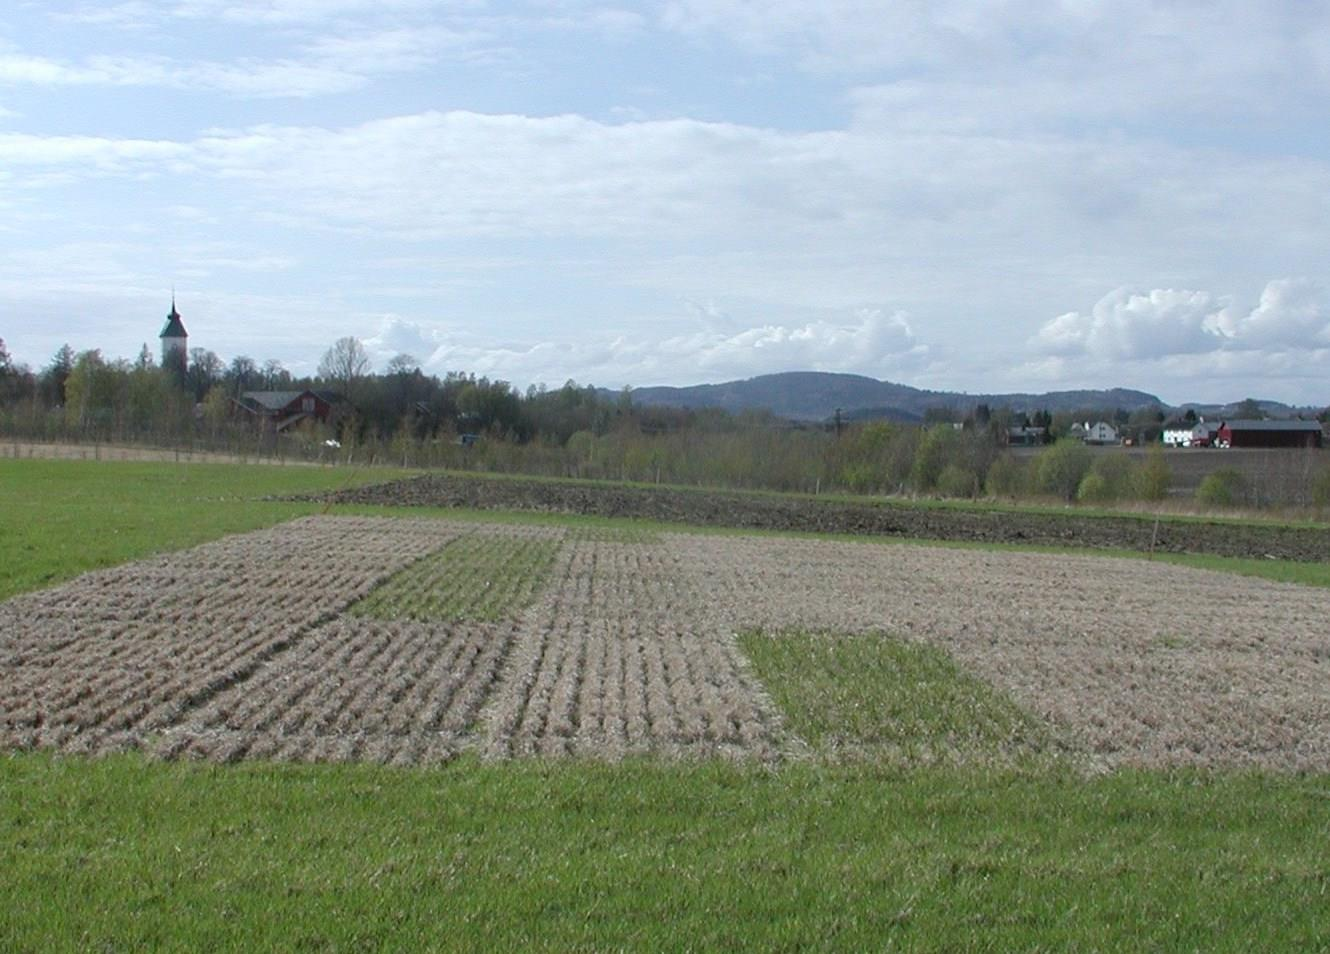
(1292, 314)
(1021, 64)
(869, 342)
(325, 64)
(1124, 326)
(1192, 344)
(95, 154)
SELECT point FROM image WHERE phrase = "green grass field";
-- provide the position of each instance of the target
(124, 853)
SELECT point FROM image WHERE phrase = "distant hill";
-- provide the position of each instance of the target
(1272, 409)
(815, 395)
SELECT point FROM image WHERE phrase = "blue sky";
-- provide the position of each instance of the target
(982, 196)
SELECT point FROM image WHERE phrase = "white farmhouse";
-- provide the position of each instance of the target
(1177, 434)
(1101, 432)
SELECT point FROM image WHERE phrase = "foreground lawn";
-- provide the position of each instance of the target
(122, 854)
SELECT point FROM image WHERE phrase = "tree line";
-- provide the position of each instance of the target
(406, 416)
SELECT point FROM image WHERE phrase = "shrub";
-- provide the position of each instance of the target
(859, 477)
(1060, 469)
(957, 481)
(1095, 488)
(1223, 488)
(1007, 477)
(1154, 476)
(1110, 478)
(936, 449)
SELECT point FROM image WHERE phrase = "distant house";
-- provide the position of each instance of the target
(1176, 434)
(281, 410)
(1026, 436)
(1270, 434)
(1101, 432)
(1184, 434)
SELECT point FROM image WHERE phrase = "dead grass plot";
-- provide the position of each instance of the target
(1136, 663)
(411, 640)
(612, 662)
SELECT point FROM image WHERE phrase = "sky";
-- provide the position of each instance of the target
(972, 195)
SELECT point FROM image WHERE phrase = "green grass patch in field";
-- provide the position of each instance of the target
(475, 577)
(64, 517)
(873, 696)
(126, 854)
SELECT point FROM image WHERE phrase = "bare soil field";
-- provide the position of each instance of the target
(249, 647)
(774, 512)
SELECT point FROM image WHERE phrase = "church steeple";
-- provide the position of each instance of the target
(174, 341)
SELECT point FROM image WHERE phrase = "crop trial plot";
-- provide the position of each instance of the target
(409, 640)
(617, 659)
(1137, 663)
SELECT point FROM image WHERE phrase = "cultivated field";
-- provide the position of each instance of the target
(411, 640)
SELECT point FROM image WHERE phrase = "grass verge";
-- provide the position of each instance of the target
(871, 696)
(125, 854)
(64, 517)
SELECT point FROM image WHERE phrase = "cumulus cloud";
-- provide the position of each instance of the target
(869, 342)
(1292, 314)
(1124, 325)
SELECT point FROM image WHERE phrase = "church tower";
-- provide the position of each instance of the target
(175, 355)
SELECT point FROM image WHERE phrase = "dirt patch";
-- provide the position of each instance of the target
(773, 512)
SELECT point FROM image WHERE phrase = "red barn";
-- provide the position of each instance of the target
(282, 409)
(1269, 434)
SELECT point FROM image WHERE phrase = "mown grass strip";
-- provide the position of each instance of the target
(474, 578)
(872, 696)
(61, 518)
(126, 854)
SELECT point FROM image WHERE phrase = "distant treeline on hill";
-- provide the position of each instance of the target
(407, 417)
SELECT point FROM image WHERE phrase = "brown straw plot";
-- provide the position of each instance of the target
(1139, 663)
(408, 641)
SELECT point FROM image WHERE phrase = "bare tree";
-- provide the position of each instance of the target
(344, 363)
(242, 375)
(275, 377)
(205, 370)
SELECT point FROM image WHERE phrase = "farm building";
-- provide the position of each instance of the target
(1027, 436)
(281, 410)
(1270, 434)
(1101, 432)
(1182, 434)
